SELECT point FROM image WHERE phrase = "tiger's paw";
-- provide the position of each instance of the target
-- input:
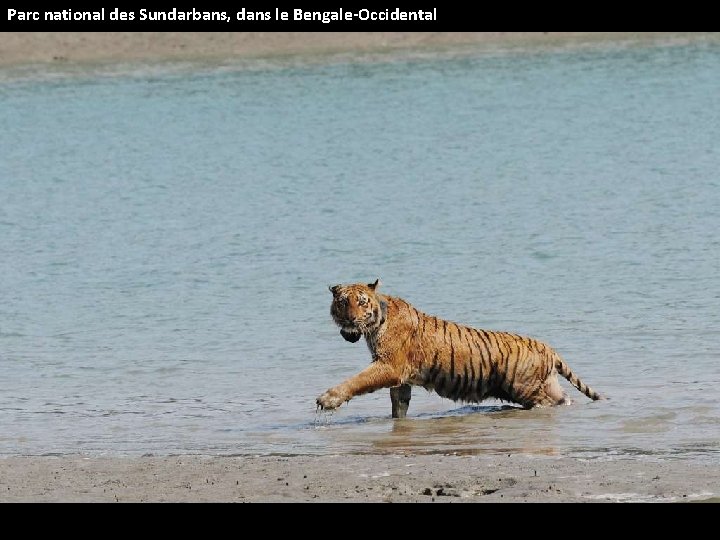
(330, 400)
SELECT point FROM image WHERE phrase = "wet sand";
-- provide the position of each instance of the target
(17, 48)
(354, 478)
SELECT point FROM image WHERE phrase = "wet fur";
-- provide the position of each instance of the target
(459, 362)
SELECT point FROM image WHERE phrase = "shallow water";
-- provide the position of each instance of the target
(168, 235)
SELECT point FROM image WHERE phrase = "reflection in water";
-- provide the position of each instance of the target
(472, 430)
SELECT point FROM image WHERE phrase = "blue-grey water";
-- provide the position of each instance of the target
(168, 235)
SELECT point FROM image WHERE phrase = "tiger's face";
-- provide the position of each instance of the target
(356, 309)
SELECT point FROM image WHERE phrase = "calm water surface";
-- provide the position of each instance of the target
(168, 235)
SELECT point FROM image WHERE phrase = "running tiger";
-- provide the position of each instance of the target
(409, 347)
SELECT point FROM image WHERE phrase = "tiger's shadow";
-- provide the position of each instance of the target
(463, 411)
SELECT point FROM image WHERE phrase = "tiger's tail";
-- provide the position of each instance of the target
(564, 370)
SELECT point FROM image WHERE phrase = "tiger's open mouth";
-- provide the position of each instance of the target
(350, 334)
(353, 329)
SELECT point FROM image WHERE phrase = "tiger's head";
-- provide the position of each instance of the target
(357, 309)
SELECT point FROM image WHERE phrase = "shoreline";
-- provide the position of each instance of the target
(62, 48)
(354, 478)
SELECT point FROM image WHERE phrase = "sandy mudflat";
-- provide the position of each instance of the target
(366, 478)
(71, 47)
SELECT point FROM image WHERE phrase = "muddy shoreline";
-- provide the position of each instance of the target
(354, 478)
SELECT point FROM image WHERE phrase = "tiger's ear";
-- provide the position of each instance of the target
(334, 289)
(373, 286)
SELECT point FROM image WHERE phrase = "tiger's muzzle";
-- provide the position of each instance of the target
(352, 335)
(353, 329)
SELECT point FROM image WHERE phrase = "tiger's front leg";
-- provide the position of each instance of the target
(377, 375)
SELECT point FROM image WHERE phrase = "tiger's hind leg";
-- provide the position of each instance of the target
(400, 398)
(550, 394)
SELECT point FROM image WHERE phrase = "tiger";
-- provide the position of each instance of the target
(410, 348)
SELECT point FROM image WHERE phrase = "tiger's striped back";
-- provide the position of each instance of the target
(470, 364)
